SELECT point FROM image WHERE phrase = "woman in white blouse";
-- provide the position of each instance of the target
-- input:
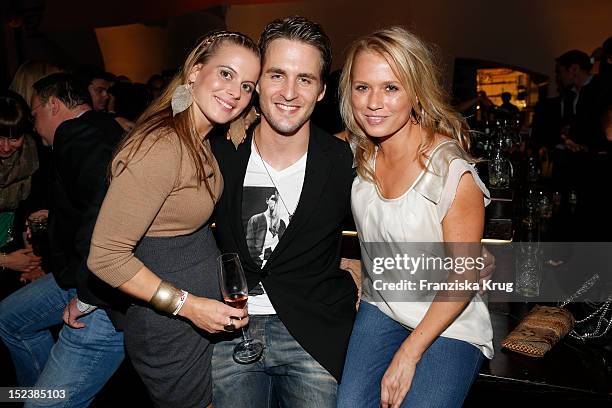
(410, 346)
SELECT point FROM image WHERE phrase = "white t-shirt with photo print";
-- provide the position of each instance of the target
(283, 188)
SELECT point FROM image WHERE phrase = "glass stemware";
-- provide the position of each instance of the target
(235, 293)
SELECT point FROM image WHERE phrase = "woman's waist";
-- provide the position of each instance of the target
(473, 324)
(177, 220)
(176, 243)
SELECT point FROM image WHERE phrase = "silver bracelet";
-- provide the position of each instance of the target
(184, 295)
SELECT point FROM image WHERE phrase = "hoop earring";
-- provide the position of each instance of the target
(413, 117)
(420, 123)
(182, 98)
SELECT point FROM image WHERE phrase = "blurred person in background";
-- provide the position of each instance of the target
(18, 163)
(123, 78)
(28, 73)
(98, 82)
(88, 350)
(574, 72)
(127, 102)
(595, 60)
(605, 64)
(605, 72)
(156, 85)
(510, 109)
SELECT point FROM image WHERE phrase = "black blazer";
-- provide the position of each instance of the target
(592, 105)
(82, 150)
(312, 296)
(547, 122)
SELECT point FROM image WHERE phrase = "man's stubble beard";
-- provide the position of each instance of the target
(288, 130)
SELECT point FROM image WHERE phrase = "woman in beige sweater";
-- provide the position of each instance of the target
(152, 240)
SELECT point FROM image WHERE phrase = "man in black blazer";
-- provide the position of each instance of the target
(89, 350)
(588, 104)
(301, 304)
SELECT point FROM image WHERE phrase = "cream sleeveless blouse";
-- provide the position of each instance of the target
(416, 217)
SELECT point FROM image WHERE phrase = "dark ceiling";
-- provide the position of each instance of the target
(60, 15)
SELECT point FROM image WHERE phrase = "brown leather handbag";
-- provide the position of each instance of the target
(539, 331)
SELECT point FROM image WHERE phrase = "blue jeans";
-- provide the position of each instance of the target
(442, 379)
(80, 362)
(286, 374)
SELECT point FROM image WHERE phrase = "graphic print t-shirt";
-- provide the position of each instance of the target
(265, 214)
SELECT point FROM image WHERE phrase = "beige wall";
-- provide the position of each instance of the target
(526, 33)
(139, 51)
(134, 50)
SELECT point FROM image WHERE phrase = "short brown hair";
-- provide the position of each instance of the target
(577, 57)
(65, 87)
(298, 28)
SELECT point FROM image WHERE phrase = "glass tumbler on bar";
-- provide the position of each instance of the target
(235, 293)
(529, 257)
(38, 231)
(528, 269)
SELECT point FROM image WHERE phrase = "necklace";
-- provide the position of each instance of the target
(601, 314)
(271, 179)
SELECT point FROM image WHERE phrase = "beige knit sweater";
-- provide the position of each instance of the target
(158, 194)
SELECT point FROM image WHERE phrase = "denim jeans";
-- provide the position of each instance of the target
(443, 375)
(286, 374)
(80, 362)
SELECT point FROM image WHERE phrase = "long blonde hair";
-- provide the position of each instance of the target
(413, 64)
(27, 74)
(159, 114)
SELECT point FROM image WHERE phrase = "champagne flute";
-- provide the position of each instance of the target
(235, 293)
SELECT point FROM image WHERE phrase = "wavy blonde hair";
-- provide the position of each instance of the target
(158, 116)
(27, 74)
(413, 63)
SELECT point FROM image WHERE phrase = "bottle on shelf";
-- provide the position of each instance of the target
(500, 168)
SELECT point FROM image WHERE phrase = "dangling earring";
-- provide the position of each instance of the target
(182, 98)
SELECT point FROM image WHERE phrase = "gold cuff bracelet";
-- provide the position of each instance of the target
(167, 298)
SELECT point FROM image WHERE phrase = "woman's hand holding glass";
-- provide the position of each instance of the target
(235, 292)
(212, 315)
